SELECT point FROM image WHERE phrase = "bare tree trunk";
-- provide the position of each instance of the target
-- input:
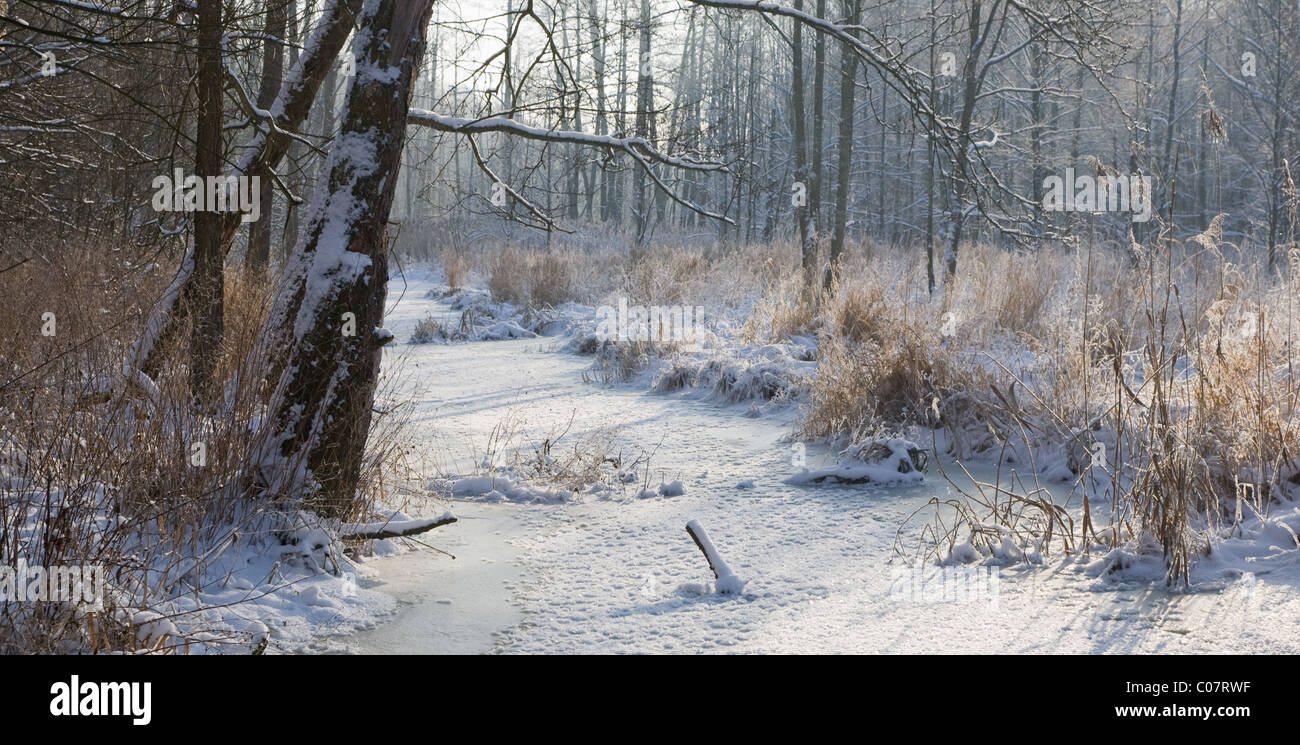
(595, 24)
(620, 117)
(808, 257)
(262, 156)
(929, 152)
(818, 128)
(848, 75)
(259, 234)
(1277, 173)
(961, 167)
(644, 104)
(1036, 74)
(330, 304)
(575, 153)
(297, 152)
(1203, 145)
(1172, 113)
(207, 298)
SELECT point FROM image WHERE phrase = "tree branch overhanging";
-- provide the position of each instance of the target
(638, 148)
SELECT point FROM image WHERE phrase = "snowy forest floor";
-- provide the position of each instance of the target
(612, 572)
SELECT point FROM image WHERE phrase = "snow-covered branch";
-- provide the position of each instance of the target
(727, 581)
(394, 528)
(638, 148)
(638, 145)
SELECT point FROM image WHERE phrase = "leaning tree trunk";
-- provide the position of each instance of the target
(330, 303)
(261, 158)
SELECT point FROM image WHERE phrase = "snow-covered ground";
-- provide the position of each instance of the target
(610, 571)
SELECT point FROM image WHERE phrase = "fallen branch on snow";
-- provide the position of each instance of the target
(394, 528)
(728, 583)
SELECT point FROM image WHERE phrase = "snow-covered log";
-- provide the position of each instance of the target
(727, 582)
(394, 528)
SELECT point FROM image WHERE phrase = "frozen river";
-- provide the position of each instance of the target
(601, 575)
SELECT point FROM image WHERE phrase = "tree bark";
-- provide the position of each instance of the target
(848, 75)
(961, 166)
(818, 125)
(596, 22)
(297, 152)
(330, 303)
(929, 154)
(1172, 114)
(259, 234)
(802, 212)
(260, 159)
(644, 104)
(207, 297)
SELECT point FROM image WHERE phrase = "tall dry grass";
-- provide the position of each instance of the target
(533, 281)
(125, 473)
(456, 268)
(1174, 360)
(1206, 404)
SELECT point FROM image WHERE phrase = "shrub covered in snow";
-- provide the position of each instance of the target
(427, 331)
(875, 462)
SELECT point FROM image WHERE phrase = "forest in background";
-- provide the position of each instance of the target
(961, 109)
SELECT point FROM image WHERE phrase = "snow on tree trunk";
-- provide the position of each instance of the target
(330, 301)
(260, 158)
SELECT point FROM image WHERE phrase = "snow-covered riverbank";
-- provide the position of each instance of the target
(617, 573)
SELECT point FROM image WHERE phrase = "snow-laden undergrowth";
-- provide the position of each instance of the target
(996, 399)
(262, 581)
